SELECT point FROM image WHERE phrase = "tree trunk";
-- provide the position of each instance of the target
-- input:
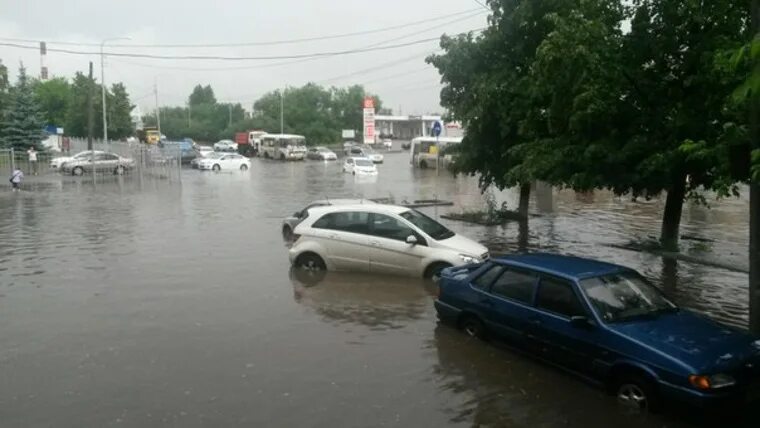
(671, 219)
(524, 200)
(522, 236)
(754, 202)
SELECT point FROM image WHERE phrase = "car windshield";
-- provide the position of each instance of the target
(434, 229)
(625, 295)
(363, 162)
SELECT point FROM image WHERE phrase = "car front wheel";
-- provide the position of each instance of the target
(636, 394)
(473, 326)
(244, 167)
(78, 171)
(216, 167)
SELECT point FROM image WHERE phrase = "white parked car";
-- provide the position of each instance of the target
(57, 163)
(365, 152)
(379, 238)
(227, 162)
(359, 166)
(225, 146)
(195, 163)
(321, 153)
(388, 143)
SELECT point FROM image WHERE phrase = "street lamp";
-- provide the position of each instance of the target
(103, 83)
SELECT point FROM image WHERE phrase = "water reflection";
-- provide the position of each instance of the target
(378, 302)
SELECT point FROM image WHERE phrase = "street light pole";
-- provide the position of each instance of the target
(282, 114)
(103, 83)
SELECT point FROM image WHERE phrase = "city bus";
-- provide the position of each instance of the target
(283, 146)
(427, 152)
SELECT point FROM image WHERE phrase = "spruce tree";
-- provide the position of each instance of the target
(22, 124)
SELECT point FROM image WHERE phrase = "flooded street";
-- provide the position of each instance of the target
(160, 303)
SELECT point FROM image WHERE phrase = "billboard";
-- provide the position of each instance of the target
(369, 120)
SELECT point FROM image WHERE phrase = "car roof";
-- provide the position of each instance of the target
(371, 206)
(571, 267)
(360, 158)
(344, 201)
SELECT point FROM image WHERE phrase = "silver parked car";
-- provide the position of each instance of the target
(321, 153)
(102, 162)
(379, 238)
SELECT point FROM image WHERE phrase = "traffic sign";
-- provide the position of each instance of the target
(436, 129)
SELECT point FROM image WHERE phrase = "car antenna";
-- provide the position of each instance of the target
(327, 199)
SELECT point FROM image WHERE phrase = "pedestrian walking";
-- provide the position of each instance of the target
(32, 159)
(17, 176)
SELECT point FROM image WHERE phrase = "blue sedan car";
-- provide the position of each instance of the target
(606, 323)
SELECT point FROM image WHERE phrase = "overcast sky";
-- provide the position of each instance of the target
(399, 76)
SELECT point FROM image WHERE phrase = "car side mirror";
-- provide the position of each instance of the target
(580, 321)
(297, 214)
(411, 240)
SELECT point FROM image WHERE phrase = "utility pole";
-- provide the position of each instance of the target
(754, 192)
(158, 111)
(282, 114)
(229, 107)
(90, 129)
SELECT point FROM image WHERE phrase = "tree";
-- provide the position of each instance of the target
(23, 125)
(202, 95)
(753, 95)
(488, 87)
(119, 112)
(53, 96)
(76, 115)
(4, 94)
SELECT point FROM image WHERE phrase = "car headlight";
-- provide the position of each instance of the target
(716, 381)
(468, 259)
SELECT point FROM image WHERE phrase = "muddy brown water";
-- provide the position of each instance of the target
(155, 303)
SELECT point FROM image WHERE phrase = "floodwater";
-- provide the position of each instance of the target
(145, 303)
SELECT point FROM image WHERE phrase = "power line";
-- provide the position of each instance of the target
(267, 43)
(483, 5)
(227, 58)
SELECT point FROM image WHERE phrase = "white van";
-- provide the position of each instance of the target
(254, 139)
(283, 146)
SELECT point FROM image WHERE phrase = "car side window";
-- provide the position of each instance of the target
(486, 279)
(354, 222)
(388, 227)
(515, 285)
(558, 297)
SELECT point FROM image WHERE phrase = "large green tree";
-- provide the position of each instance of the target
(76, 116)
(4, 91)
(53, 96)
(202, 95)
(119, 112)
(23, 124)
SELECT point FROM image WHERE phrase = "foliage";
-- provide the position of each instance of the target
(77, 113)
(202, 95)
(4, 90)
(23, 125)
(555, 90)
(119, 113)
(53, 96)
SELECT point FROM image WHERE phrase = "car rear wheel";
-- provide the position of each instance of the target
(244, 167)
(78, 171)
(434, 271)
(119, 170)
(282, 157)
(216, 167)
(636, 394)
(310, 261)
(473, 326)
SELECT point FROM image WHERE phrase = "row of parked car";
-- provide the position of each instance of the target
(601, 321)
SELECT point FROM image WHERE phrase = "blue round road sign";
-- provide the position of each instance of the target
(436, 129)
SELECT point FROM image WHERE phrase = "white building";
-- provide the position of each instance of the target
(409, 127)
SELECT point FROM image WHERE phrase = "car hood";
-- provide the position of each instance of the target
(703, 344)
(463, 245)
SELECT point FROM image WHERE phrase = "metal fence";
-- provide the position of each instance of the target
(149, 161)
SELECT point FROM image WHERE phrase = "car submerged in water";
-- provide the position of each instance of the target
(100, 162)
(606, 323)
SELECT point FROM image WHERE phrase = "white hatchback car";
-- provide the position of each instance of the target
(379, 238)
(359, 166)
(220, 162)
